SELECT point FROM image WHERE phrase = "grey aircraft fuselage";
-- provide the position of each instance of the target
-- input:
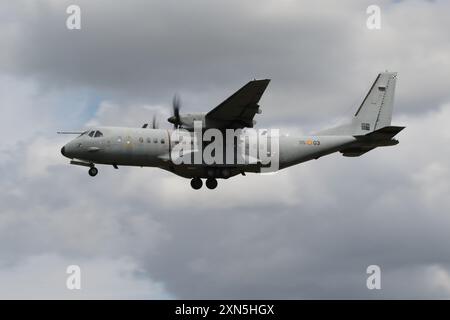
(121, 146)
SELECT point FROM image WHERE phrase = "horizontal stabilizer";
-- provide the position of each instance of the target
(356, 151)
(383, 133)
(379, 138)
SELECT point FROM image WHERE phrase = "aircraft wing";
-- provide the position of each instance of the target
(238, 110)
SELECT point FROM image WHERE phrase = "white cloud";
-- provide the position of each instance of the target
(45, 276)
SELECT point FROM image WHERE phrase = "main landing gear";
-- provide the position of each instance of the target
(93, 171)
(211, 183)
(197, 183)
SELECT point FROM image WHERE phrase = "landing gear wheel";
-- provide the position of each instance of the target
(93, 171)
(211, 183)
(196, 183)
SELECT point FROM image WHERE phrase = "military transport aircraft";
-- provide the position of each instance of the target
(150, 146)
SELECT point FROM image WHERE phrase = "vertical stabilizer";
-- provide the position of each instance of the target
(375, 111)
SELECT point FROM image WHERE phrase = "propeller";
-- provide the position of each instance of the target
(175, 119)
(154, 123)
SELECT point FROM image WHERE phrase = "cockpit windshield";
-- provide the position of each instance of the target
(92, 133)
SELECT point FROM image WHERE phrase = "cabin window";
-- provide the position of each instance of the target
(162, 141)
(155, 140)
(98, 134)
(149, 140)
(141, 139)
(91, 134)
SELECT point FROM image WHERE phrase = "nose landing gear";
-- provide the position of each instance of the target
(93, 171)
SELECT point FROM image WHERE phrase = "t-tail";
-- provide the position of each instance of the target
(371, 124)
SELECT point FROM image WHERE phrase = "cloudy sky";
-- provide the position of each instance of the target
(309, 231)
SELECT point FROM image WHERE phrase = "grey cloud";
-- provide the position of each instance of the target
(320, 56)
(315, 246)
(307, 232)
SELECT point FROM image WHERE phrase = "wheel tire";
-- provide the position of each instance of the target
(196, 183)
(211, 183)
(93, 171)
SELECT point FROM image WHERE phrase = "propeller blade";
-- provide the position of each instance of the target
(175, 119)
(154, 123)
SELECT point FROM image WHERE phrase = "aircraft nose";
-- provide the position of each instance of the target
(63, 151)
